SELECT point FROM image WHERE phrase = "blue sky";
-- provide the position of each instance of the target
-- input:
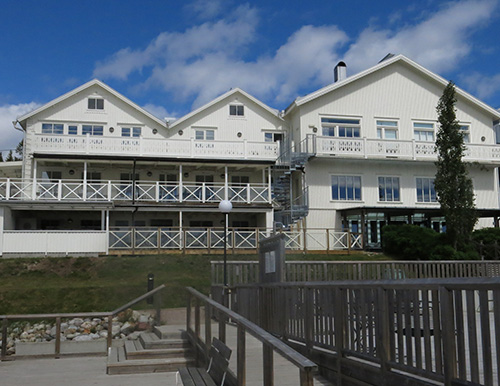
(171, 57)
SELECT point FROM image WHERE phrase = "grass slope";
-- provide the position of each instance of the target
(41, 285)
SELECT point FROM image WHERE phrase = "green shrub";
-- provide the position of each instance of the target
(409, 242)
(486, 235)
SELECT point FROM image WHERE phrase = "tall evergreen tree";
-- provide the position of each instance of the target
(10, 157)
(19, 151)
(453, 185)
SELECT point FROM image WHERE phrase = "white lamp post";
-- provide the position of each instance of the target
(225, 207)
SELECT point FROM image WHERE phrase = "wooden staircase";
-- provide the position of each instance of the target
(163, 350)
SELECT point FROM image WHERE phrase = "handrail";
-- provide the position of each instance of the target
(59, 316)
(270, 342)
(416, 327)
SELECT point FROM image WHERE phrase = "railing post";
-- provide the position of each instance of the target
(383, 323)
(339, 330)
(267, 365)
(7, 189)
(58, 337)
(203, 194)
(448, 335)
(109, 190)
(87, 143)
(110, 331)
(188, 312)
(365, 154)
(306, 377)
(241, 357)
(309, 319)
(5, 323)
(245, 149)
(222, 323)
(248, 194)
(59, 190)
(197, 329)
(157, 191)
(208, 331)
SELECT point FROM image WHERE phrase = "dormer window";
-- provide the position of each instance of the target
(236, 110)
(96, 104)
(52, 128)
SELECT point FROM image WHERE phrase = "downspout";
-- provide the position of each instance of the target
(14, 123)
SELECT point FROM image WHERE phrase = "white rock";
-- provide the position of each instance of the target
(143, 319)
(103, 334)
(82, 338)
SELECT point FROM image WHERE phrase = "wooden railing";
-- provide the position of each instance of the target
(242, 272)
(400, 149)
(412, 332)
(237, 238)
(15, 189)
(270, 343)
(155, 293)
(155, 147)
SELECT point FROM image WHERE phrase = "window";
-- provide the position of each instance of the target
(387, 130)
(423, 132)
(73, 130)
(208, 135)
(96, 104)
(51, 175)
(425, 190)
(92, 130)
(388, 189)
(134, 132)
(465, 130)
(340, 127)
(240, 180)
(346, 188)
(273, 137)
(237, 110)
(93, 176)
(52, 128)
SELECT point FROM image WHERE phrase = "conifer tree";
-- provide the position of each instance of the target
(10, 157)
(453, 185)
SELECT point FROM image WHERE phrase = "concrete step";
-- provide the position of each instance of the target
(147, 365)
(169, 332)
(135, 351)
(150, 340)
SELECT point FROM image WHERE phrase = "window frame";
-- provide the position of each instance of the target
(431, 190)
(343, 125)
(131, 131)
(204, 132)
(46, 125)
(465, 132)
(383, 128)
(346, 193)
(424, 128)
(93, 104)
(237, 107)
(92, 132)
(392, 197)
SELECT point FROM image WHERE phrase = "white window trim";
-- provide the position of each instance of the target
(96, 109)
(400, 201)
(390, 128)
(237, 116)
(416, 194)
(424, 122)
(346, 175)
(336, 126)
(203, 128)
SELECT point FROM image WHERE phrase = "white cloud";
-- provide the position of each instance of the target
(207, 9)
(482, 86)
(158, 111)
(209, 59)
(438, 42)
(8, 113)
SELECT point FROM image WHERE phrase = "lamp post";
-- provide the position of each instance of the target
(225, 207)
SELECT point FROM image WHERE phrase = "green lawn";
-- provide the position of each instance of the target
(40, 285)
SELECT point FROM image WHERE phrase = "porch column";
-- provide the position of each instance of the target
(103, 220)
(181, 233)
(226, 189)
(269, 177)
(107, 231)
(269, 220)
(2, 222)
(33, 195)
(363, 229)
(181, 193)
(85, 181)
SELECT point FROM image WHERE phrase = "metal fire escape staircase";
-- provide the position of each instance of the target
(292, 205)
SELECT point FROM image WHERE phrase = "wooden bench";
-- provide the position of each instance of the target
(215, 374)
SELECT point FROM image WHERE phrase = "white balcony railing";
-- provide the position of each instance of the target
(410, 150)
(72, 190)
(153, 147)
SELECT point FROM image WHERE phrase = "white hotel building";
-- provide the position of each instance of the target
(101, 174)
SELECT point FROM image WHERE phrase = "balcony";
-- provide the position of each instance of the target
(116, 191)
(405, 150)
(155, 147)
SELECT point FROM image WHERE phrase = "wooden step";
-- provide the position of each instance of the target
(135, 351)
(147, 365)
(150, 340)
(169, 332)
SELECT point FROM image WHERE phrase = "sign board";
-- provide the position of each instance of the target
(272, 259)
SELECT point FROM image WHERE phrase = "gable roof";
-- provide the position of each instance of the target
(84, 87)
(221, 98)
(385, 63)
